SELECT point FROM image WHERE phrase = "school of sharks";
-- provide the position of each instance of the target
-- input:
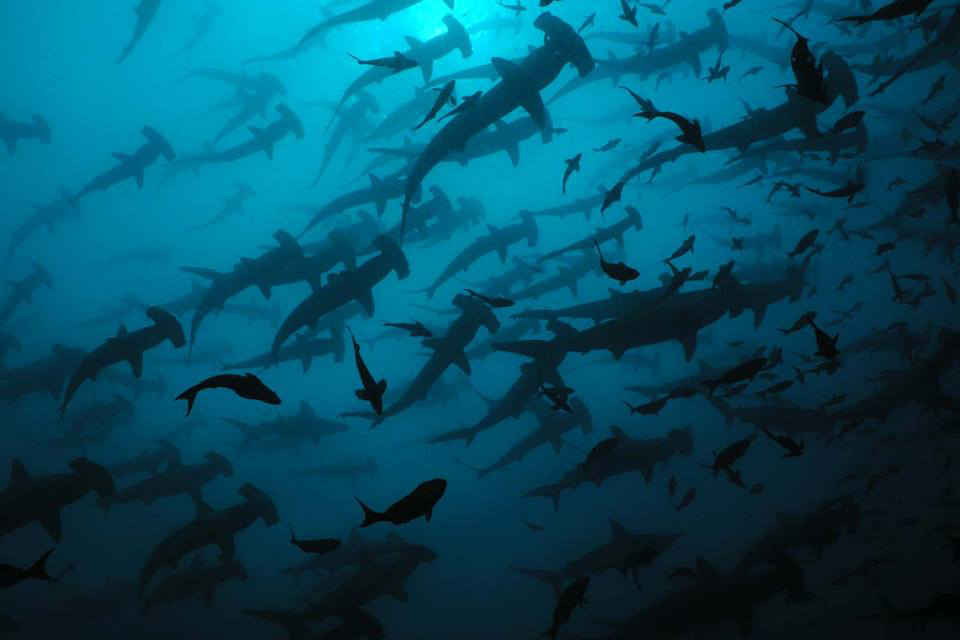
(480, 319)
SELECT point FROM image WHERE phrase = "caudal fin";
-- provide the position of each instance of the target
(190, 395)
(369, 515)
(38, 569)
(552, 578)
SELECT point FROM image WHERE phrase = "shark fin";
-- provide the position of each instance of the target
(399, 593)
(203, 509)
(618, 530)
(460, 359)
(136, 363)
(51, 523)
(18, 474)
(511, 146)
(529, 100)
(426, 68)
(689, 342)
(365, 298)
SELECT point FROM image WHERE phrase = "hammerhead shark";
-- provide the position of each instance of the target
(211, 527)
(177, 479)
(445, 351)
(625, 551)
(44, 215)
(12, 132)
(22, 290)
(280, 265)
(624, 455)
(262, 139)
(763, 124)
(533, 375)
(503, 137)
(423, 54)
(46, 374)
(232, 205)
(341, 288)
(520, 87)
(253, 95)
(686, 51)
(28, 499)
(126, 346)
(371, 10)
(380, 191)
(613, 232)
(131, 165)
(352, 121)
(304, 349)
(146, 11)
(551, 427)
(496, 241)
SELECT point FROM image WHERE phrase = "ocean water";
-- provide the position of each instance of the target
(887, 446)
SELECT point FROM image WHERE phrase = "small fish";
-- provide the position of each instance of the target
(416, 504)
(779, 387)
(246, 386)
(792, 447)
(649, 409)
(396, 63)
(804, 243)
(684, 248)
(672, 485)
(752, 71)
(497, 302)
(444, 95)
(530, 525)
(757, 489)
(318, 546)
(618, 271)
(570, 599)
(573, 165)
(609, 145)
(689, 497)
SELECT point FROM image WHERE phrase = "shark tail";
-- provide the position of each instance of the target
(467, 434)
(369, 515)
(551, 491)
(553, 578)
(190, 395)
(38, 569)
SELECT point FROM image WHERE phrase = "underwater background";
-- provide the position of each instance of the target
(855, 534)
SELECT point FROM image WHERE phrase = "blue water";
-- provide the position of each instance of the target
(59, 61)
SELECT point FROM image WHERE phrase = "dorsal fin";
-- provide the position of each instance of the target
(203, 509)
(121, 331)
(705, 569)
(197, 562)
(306, 409)
(18, 473)
(618, 432)
(618, 529)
